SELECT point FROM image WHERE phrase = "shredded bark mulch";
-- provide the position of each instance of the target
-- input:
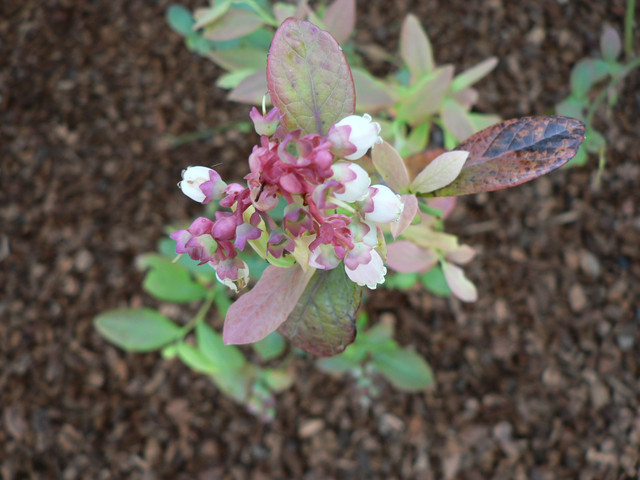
(540, 379)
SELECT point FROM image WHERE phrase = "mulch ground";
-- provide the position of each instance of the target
(540, 379)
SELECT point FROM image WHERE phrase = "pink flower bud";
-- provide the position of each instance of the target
(382, 205)
(202, 184)
(232, 272)
(355, 180)
(324, 257)
(265, 124)
(363, 134)
(364, 266)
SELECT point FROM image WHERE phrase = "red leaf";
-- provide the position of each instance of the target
(309, 78)
(515, 151)
(262, 310)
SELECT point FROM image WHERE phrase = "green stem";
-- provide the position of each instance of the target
(200, 314)
(628, 28)
(268, 18)
(632, 65)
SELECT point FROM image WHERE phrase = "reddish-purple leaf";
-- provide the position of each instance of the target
(340, 19)
(404, 256)
(415, 47)
(409, 212)
(515, 151)
(323, 321)
(262, 310)
(309, 78)
(372, 94)
(390, 166)
(251, 89)
(233, 24)
(460, 285)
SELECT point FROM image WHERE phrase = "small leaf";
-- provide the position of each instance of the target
(207, 16)
(408, 214)
(340, 19)
(278, 379)
(480, 121)
(270, 346)
(473, 74)
(443, 170)
(372, 94)
(425, 98)
(136, 330)
(415, 47)
(390, 166)
(251, 89)
(240, 59)
(435, 282)
(456, 120)
(461, 255)
(260, 311)
(515, 151)
(169, 281)
(232, 79)
(406, 257)
(309, 78)
(400, 281)
(195, 359)
(610, 44)
(585, 74)
(224, 357)
(180, 19)
(323, 321)
(404, 369)
(234, 24)
(459, 284)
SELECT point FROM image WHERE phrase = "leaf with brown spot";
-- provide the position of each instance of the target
(515, 151)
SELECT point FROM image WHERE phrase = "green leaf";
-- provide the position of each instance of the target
(180, 19)
(585, 74)
(195, 358)
(240, 59)
(594, 141)
(270, 346)
(169, 281)
(309, 78)
(232, 79)
(136, 330)
(424, 99)
(207, 16)
(440, 172)
(400, 281)
(223, 357)
(323, 321)
(473, 74)
(435, 281)
(277, 379)
(404, 369)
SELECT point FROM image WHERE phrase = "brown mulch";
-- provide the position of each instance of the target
(540, 379)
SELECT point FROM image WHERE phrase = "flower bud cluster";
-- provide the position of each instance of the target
(332, 215)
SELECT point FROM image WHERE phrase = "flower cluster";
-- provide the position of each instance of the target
(333, 214)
